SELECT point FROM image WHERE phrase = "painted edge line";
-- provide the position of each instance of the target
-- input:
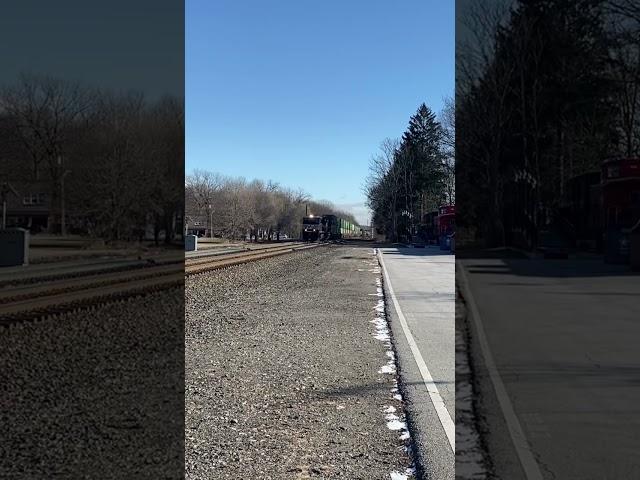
(443, 414)
(520, 443)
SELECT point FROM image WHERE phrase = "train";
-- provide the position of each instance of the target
(328, 227)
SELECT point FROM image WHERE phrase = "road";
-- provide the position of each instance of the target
(422, 282)
(563, 338)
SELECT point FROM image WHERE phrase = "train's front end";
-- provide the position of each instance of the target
(311, 228)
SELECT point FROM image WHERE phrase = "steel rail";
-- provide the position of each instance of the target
(37, 300)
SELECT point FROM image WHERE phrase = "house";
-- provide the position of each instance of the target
(197, 225)
(28, 205)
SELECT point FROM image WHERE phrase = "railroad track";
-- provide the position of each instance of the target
(50, 296)
(205, 264)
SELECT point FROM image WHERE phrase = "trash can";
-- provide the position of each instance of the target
(617, 246)
(14, 247)
(634, 252)
(190, 243)
(445, 242)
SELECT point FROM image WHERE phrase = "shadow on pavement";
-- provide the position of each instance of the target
(507, 262)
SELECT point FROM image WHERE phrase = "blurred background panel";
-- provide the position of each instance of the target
(91, 235)
(548, 220)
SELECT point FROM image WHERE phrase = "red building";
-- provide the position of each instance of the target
(446, 222)
(621, 205)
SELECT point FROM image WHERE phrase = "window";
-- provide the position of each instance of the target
(34, 199)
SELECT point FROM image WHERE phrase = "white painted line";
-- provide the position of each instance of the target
(523, 449)
(443, 414)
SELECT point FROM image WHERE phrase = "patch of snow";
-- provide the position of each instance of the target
(381, 336)
(382, 333)
(398, 476)
(387, 369)
(396, 425)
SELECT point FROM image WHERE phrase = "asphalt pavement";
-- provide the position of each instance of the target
(556, 347)
(420, 298)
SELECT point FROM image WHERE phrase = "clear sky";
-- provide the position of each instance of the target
(116, 44)
(303, 92)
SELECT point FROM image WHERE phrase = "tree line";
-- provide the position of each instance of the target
(414, 175)
(113, 160)
(234, 208)
(546, 90)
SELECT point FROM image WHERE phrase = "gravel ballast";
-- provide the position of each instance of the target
(95, 394)
(283, 371)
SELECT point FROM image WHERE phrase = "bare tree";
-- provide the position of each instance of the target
(204, 192)
(448, 121)
(384, 182)
(45, 111)
(624, 29)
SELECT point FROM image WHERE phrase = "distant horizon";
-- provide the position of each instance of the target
(347, 207)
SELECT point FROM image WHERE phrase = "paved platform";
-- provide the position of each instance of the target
(561, 341)
(420, 296)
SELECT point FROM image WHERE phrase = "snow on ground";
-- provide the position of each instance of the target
(382, 333)
(470, 456)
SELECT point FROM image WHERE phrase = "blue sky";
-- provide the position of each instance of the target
(117, 45)
(303, 92)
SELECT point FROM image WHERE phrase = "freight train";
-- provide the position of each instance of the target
(328, 227)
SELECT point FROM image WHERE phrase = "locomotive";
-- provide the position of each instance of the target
(327, 227)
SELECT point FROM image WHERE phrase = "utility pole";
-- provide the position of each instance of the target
(210, 221)
(63, 225)
(5, 188)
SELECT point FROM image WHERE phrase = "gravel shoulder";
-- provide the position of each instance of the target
(95, 394)
(283, 373)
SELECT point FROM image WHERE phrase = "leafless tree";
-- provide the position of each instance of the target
(46, 111)
(382, 172)
(448, 121)
(203, 191)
